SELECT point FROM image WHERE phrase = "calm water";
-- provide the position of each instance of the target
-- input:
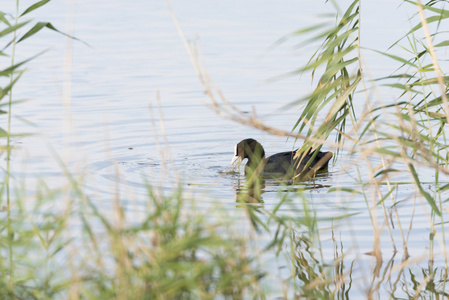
(92, 104)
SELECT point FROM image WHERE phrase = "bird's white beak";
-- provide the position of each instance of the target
(234, 159)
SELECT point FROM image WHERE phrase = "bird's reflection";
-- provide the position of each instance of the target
(250, 188)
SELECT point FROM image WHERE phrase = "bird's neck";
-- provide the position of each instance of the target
(256, 164)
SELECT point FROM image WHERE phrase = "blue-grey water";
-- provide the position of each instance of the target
(129, 106)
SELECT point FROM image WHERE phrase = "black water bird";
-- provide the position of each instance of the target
(285, 164)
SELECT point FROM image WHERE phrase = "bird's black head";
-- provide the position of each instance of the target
(250, 149)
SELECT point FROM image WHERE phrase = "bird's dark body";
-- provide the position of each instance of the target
(283, 164)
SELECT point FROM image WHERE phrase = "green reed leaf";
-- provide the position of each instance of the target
(404, 87)
(347, 190)
(398, 58)
(324, 57)
(36, 28)
(442, 44)
(386, 151)
(34, 6)
(444, 188)
(426, 195)
(339, 217)
(3, 19)
(7, 89)
(428, 21)
(434, 102)
(385, 172)
(442, 12)
(309, 29)
(335, 68)
(8, 71)
(431, 81)
(13, 28)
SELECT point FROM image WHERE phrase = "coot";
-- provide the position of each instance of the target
(282, 164)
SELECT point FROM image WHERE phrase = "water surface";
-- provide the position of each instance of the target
(117, 109)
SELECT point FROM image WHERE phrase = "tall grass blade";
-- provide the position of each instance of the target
(442, 44)
(426, 195)
(36, 28)
(13, 28)
(34, 7)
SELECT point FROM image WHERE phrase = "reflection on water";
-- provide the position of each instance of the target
(250, 189)
(310, 270)
(316, 278)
